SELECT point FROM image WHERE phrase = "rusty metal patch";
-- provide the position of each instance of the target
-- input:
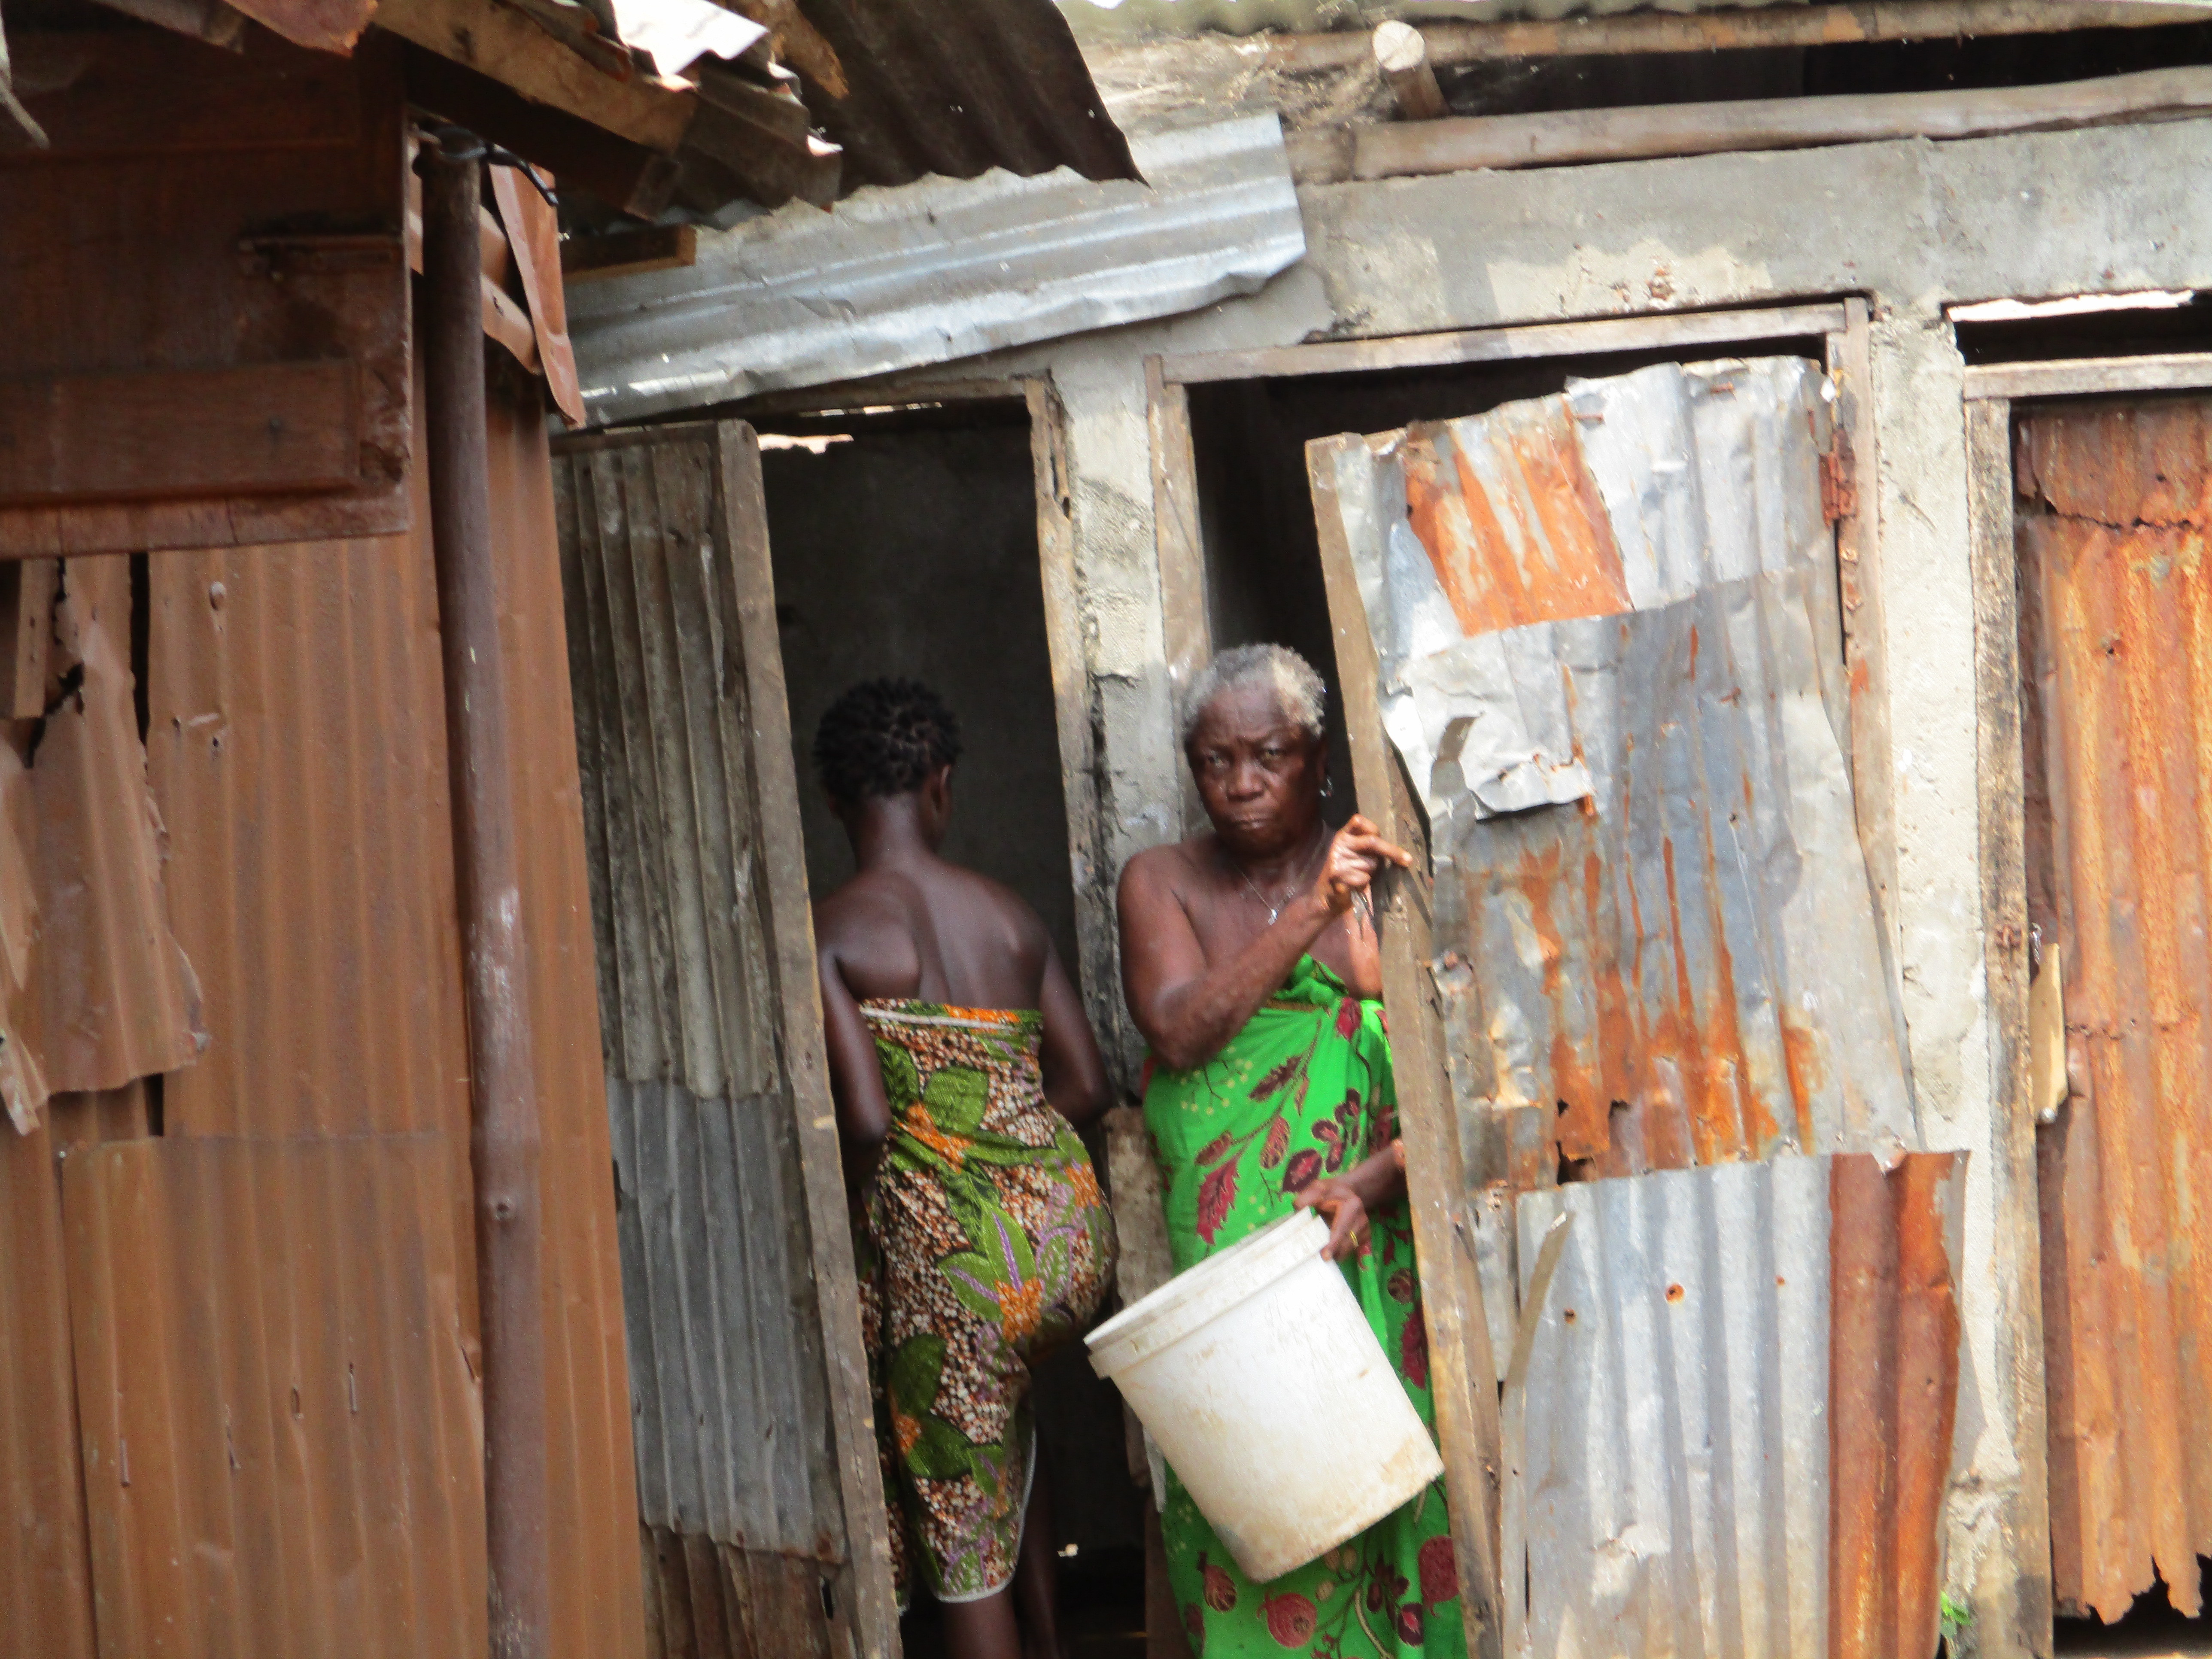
(2116, 578)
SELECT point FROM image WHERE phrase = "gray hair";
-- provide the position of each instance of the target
(1288, 677)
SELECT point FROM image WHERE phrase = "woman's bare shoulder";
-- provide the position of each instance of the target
(1173, 864)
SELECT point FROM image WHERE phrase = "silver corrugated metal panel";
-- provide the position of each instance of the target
(1735, 1410)
(939, 270)
(1620, 494)
(1676, 1450)
(1688, 972)
(710, 1205)
(732, 1399)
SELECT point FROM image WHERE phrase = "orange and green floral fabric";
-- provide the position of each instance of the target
(1304, 1091)
(985, 1245)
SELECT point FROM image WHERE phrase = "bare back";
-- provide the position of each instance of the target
(935, 931)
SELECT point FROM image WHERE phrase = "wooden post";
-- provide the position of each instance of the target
(1403, 52)
(503, 1135)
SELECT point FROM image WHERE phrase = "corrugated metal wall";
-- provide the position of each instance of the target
(283, 1450)
(2117, 624)
(1738, 1409)
(45, 1573)
(297, 750)
(737, 1483)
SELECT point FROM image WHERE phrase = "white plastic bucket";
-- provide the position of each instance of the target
(1261, 1382)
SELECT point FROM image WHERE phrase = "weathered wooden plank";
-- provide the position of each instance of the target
(2176, 371)
(2012, 1599)
(1469, 143)
(1499, 345)
(1186, 620)
(865, 1584)
(1463, 1369)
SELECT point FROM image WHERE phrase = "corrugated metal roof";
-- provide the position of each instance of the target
(1728, 1411)
(297, 716)
(94, 989)
(956, 88)
(734, 1413)
(1671, 958)
(281, 1433)
(2117, 609)
(940, 270)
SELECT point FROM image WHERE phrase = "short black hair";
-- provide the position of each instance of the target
(884, 738)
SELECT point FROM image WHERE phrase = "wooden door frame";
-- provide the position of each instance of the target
(1462, 1358)
(1990, 391)
(1087, 849)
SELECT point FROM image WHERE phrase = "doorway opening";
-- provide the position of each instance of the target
(904, 542)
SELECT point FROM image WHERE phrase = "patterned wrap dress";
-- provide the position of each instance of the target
(1305, 1090)
(984, 1243)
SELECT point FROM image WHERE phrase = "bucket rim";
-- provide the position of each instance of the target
(1165, 1316)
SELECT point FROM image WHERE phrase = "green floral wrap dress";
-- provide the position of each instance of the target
(1305, 1090)
(985, 1245)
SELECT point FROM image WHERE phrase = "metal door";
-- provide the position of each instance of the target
(760, 1502)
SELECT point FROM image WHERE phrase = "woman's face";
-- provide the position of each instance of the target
(1258, 772)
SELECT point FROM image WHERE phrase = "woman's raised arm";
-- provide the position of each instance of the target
(1188, 1009)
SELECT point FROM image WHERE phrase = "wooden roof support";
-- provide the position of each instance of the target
(1775, 26)
(1403, 56)
(1467, 144)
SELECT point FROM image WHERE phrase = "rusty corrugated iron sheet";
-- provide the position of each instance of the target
(94, 989)
(280, 1427)
(45, 1575)
(1609, 630)
(297, 750)
(1617, 494)
(597, 1594)
(2113, 529)
(1737, 1409)
(737, 1484)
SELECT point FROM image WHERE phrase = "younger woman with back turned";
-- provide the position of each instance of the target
(962, 1064)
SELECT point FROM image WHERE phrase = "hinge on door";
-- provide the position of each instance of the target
(1839, 496)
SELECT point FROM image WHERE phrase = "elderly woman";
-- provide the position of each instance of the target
(1249, 956)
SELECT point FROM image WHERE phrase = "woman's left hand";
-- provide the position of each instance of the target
(1345, 1211)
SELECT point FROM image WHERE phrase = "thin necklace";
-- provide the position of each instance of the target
(1276, 909)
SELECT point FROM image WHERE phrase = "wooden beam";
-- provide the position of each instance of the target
(256, 429)
(1403, 57)
(1499, 345)
(626, 176)
(1185, 618)
(1863, 593)
(628, 253)
(2179, 371)
(1469, 143)
(867, 1581)
(1451, 42)
(2013, 1596)
(503, 43)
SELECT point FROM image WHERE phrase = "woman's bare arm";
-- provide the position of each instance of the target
(1188, 1010)
(856, 1081)
(1074, 1073)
